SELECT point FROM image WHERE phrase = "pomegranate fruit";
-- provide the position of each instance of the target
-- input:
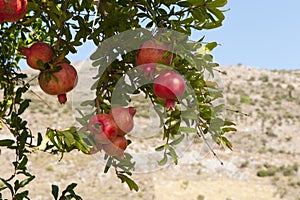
(12, 10)
(103, 128)
(59, 82)
(169, 86)
(149, 54)
(123, 118)
(37, 55)
(116, 147)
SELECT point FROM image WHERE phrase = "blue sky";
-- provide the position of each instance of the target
(257, 33)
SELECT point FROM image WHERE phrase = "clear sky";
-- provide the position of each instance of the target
(257, 33)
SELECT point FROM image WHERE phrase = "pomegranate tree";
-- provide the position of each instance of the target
(58, 82)
(37, 55)
(123, 118)
(12, 10)
(169, 86)
(149, 54)
(117, 29)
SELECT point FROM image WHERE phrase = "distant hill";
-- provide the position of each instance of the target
(264, 164)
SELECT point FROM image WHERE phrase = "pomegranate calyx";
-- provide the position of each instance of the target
(62, 98)
(132, 111)
(170, 104)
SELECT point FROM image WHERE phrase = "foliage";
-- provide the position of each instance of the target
(68, 24)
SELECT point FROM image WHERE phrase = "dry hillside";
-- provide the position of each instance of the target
(264, 164)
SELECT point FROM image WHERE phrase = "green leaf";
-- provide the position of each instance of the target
(174, 155)
(216, 3)
(22, 195)
(187, 130)
(229, 129)
(23, 163)
(184, 4)
(160, 148)
(25, 182)
(198, 15)
(177, 140)
(229, 123)
(55, 190)
(88, 103)
(189, 115)
(196, 2)
(108, 164)
(226, 143)
(70, 188)
(217, 13)
(210, 46)
(6, 142)
(69, 139)
(8, 185)
(23, 106)
(131, 184)
(164, 160)
(39, 139)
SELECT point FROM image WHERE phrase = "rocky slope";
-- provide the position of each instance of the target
(264, 104)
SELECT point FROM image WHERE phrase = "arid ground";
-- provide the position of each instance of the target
(264, 164)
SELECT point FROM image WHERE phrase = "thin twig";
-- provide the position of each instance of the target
(40, 98)
(221, 72)
(96, 14)
(237, 111)
(201, 134)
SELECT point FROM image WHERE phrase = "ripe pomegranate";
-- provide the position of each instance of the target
(116, 147)
(38, 54)
(12, 10)
(103, 128)
(150, 53)
(123, 118)
(59, 82)
(169, 86)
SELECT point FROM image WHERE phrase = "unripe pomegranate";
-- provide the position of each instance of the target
(169, 86)
(150, 53)
(116, 147)
(12, 10)
(123, 118)
(37, 55)
(59, 82)
(103, 128)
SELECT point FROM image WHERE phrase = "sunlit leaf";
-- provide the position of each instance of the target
(131, 184)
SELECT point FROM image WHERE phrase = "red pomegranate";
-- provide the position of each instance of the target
(59, 82)
(103, 128)
(123, 118)
(116, 147)
(150, 53)
(12, 10)
(37, 55)
(169, 86)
